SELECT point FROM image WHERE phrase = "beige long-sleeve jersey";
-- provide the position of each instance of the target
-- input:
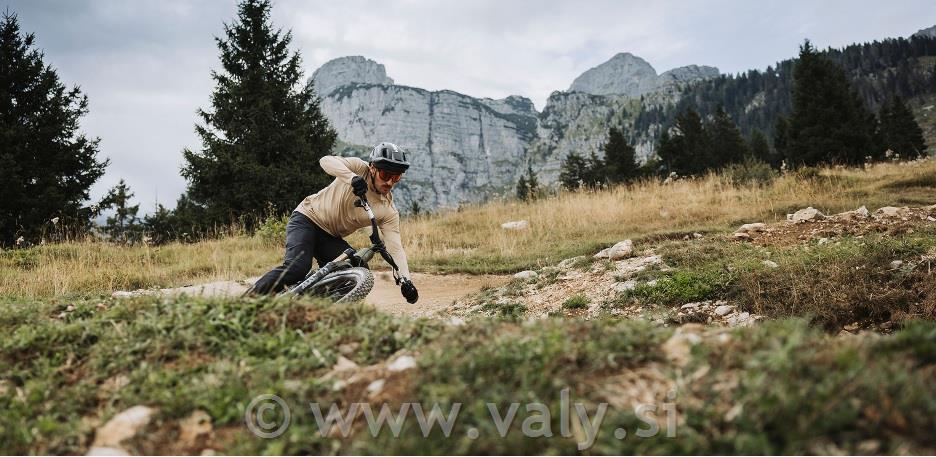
(332, 208)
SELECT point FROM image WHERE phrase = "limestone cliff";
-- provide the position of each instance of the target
(467, 149)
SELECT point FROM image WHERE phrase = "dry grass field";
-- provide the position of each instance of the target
(471, 240)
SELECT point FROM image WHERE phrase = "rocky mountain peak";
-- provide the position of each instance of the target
(689, 73)
(348, 70)
(631, 76)
(928, 32)
(623, 74)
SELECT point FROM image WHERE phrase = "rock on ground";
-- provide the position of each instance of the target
(515, 225)
(121, 427)
(807, 214)
(528, 274)
(621, 250)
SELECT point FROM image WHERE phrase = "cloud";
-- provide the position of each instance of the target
(145, 65)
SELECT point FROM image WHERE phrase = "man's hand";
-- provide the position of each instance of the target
(359, 186)
(409, 290)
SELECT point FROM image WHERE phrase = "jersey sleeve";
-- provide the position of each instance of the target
(390, 228)
(343, 168)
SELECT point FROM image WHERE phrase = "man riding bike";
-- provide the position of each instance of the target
(318, 225)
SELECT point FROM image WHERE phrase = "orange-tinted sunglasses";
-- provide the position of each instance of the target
(388, 176)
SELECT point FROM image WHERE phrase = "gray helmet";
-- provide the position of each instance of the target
(390, 157)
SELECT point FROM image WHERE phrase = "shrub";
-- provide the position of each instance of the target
(577, 301)
(273, 229)
(749, 172)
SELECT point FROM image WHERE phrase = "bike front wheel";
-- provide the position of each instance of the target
(344, 286)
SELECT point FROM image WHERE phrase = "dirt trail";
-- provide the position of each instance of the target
(436, 291)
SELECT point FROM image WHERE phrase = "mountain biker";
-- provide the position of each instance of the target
(318, 224)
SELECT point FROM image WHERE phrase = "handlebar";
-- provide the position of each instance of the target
(378, 244)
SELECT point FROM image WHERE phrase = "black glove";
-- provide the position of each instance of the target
(359, 186)
(409, 290)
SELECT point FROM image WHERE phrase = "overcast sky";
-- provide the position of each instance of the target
(145, 64)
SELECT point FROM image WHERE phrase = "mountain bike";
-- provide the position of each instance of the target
(346, 278)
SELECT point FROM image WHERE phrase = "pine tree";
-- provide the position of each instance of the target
(727, 144)
(595, 171)
(620, 157)
(532, 183)
(781, 137)
(265, 132)
(830, 124)
(899, 130)
(124, 225)
(687, 151)
(574, 171)
(161, 225)
(760, 149)
(46, 165)
(523, 189)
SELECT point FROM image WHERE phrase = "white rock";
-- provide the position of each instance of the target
(755, 227)
(690, 305)
(630, 284)
(568, 262)
(455, 321)
(739, 319)
(344, 364)
(741, 236)
(402, 363)
(770, 264)
(515, 225)
(807, 214)
(860, 213)
(621, 250)
(823, 241)
(528, 274)
(652, 282)
(723, 310)
(375, 387)
(602, 254)
(122, 426)
(891, 211)
(896, 264)
(636, 264)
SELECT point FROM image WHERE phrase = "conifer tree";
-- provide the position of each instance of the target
(46, 165)
(574, 171)
(523, 189)
(532, 183)
(264, 133)
(760, 149)
(687, 151)
(830, 124)
(620, 157)
(124, 225)
(899, 130)
(728, 146)
(528, 185)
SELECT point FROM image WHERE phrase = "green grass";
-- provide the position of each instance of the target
(509, 310)
(926, 180)
(801, 390)
(577, 301)
(834, 284)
